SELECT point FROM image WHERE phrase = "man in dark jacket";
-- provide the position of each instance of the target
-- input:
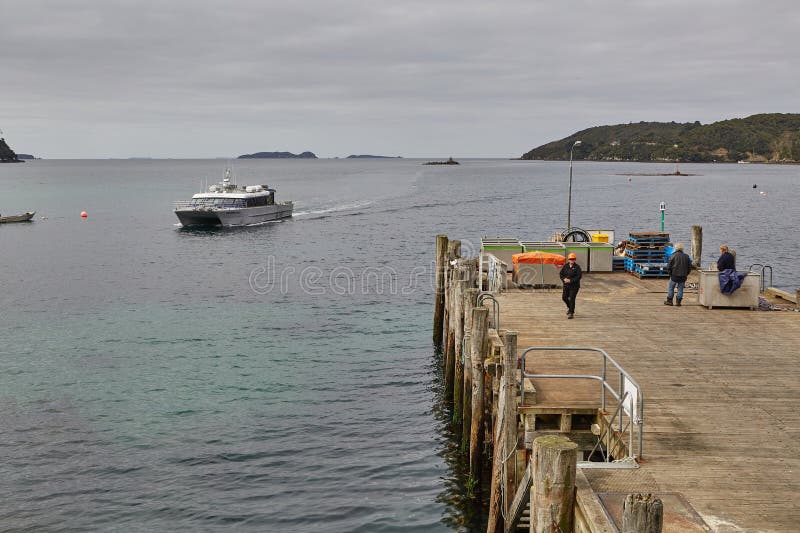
(678, 268)
(571, 278)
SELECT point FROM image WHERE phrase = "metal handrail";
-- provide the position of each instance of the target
(601, 437)
(761, 271)
(628, 388)
(492, 273)
(227, 204)
(483, 296)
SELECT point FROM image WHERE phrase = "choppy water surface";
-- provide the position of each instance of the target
(281, 377)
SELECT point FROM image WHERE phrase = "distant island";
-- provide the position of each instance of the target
(764, 138)
(7, 155)
(365, 156)
(25, 156)
(278, 155)
(450, 161)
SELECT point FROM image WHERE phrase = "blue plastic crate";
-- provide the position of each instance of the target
(651, 270)
(653, 241)
(645, 254)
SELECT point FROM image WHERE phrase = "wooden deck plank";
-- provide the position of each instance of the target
(721, 388)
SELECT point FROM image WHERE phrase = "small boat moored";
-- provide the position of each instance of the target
(25, 217)
(229, 204)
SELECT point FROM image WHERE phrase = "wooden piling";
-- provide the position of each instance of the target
(697, 245)
(505, 437)
(438, 307)
(642, 513)
(480, 324)
(449, 329)
(453, 250)
(468, 303)
(495, 498)
(453, 272)
(448, 316)
(495, 491)
(553, 463)
(467, 375)
(472, 271)
(509, 391)
(459, 287)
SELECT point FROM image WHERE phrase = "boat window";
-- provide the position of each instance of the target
(256, 201)
(220, 203)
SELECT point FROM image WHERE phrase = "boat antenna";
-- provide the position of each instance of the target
(229, 172)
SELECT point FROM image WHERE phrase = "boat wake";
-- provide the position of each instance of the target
(323, 211)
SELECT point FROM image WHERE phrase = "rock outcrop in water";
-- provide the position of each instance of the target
(7, 155)
(278, 155)
(367, 156)
(450, 161)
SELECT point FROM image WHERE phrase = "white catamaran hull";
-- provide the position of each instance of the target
(245, 216)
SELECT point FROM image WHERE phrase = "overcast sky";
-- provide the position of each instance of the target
(424, 78)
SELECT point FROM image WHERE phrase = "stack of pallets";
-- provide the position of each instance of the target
(645, 256)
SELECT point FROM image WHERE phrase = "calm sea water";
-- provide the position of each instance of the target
(281, 377)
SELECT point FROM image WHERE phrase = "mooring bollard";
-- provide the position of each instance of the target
(554, 463)
(642, 513)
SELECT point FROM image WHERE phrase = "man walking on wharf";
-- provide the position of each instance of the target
(571, 278)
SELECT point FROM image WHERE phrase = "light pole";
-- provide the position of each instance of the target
(569, 198)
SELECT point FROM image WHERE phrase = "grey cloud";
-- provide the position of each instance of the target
(481, 79)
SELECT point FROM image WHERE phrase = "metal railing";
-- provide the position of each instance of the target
(628, 394)
(482, 297)
(234, 203)
(761, 271)
(495, 273)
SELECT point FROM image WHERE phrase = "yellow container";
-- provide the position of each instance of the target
(600, 237)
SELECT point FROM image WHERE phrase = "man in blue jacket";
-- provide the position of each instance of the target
(678, 268)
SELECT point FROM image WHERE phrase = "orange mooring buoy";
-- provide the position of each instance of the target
(84, 214)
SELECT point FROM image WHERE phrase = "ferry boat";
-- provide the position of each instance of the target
(229, 204)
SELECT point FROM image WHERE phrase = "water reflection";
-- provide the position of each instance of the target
(465, 510)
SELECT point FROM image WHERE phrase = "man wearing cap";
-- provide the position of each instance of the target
(678, 268)
(571, 278)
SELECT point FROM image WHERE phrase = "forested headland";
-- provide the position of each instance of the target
(764, 138)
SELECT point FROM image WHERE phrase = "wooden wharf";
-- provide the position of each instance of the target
(720, 448)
